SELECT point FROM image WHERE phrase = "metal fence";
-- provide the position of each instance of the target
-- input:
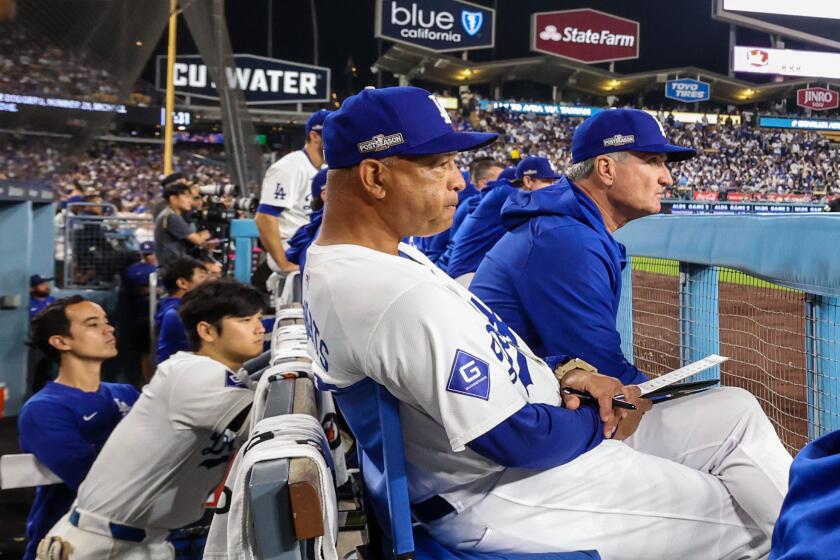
(781, 330)
(98, 245)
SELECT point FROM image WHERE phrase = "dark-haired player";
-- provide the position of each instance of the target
(66, 423)
(156, 471)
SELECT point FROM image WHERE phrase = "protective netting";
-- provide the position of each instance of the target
(72, 67)
(778, 340)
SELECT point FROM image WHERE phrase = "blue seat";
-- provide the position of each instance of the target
(374, 417)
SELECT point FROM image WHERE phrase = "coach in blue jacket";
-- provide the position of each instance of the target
(483, 227)
(305, 234)
(555, 277)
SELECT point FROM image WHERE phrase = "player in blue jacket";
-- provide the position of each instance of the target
(66, 423)
(483, 227)
(179, 277)
(809, 524)
(556, 276)
(303, 237)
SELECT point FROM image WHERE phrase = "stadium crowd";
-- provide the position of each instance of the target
(34, 67)
(732, 157)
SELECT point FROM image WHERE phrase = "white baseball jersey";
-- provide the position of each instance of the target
(457, 375)
(167, 455)
(288, 185)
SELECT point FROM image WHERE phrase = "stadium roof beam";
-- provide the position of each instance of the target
(550, 70)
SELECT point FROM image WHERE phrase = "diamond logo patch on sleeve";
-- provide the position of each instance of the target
(469, 376)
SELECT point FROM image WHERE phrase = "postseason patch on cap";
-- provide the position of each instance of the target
(619, 140)
(380, 142)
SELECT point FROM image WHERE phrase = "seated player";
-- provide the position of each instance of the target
(499, 458)
(555, 278)
(39, 294)
(483, 227)
(302, 239)
(179, 277)
(66, 423)
(158, 468)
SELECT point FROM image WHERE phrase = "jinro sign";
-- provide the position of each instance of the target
(585, 35)
(438, 25)
(817, 98)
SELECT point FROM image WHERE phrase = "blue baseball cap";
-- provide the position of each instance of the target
(509, 174)
(316, 121)
(318, 183)
(536, 167)
(620, 130)
(37, 279)
(377, 123)
(147, 247)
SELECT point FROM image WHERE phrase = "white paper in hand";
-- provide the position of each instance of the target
(680, 374)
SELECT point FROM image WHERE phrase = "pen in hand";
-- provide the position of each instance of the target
(586, 397)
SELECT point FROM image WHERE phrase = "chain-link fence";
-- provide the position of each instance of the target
(778, 340)
(98, 244)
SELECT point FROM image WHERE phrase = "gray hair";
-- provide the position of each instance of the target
(583, 169)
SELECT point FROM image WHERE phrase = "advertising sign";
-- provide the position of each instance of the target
(801, 8)
(438, 25)
(585, 35)
(817, 98)
(264, 81)
(801, 124)
(786, 62)
(688, 91)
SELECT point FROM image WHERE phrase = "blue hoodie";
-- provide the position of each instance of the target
(303, 238)
(172, 337)
(480, 230)
(809, 524)
(555, 278)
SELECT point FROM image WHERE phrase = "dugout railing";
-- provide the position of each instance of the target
(761, 290)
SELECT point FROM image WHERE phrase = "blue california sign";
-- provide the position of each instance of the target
(687, 90)
(438, 25)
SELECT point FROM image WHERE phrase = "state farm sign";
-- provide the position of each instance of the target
(817, 98)
(585, 35)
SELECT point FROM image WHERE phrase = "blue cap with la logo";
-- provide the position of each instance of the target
(622, 130)
(378, 123)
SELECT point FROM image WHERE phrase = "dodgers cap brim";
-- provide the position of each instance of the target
(673, 153)
(452, 142)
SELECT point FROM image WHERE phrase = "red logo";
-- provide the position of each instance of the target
(817, 98)
(585, 35)
(758, 57)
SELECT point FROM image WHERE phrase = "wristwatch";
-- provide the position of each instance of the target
(574, 363)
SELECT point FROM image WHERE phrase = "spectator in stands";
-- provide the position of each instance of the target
(173, 235)
(66, 423)
(483, 227)
(155, 473)
(39, 294)
(179, 278)
(305, 235)
(285, 192)
(555, 278)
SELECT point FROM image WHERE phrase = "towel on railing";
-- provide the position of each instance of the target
(286, 436)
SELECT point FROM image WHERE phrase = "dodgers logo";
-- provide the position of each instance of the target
(469, 376)
(503, 345)
(472, 22)
(231, 380)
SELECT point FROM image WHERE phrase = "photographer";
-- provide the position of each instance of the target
(173, 235)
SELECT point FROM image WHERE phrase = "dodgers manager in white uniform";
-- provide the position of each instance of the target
(284, 201)
(497, 459)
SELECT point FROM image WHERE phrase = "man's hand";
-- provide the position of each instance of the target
(287, 266)
(199, 238)
(603, 388)
(630, 419)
